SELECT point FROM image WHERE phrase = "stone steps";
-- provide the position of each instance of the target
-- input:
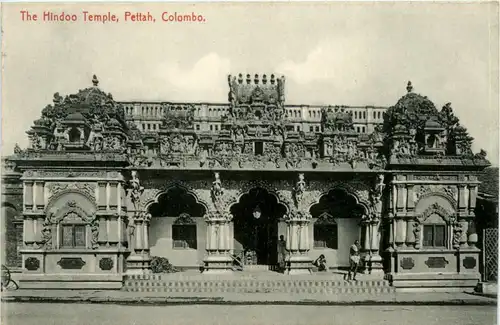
(157, 283)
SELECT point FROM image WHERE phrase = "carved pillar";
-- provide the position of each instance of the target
(29, 233)
(219, 235)
(464, 225)
(218, 243)
(410, 235)
(371, 244)
(400, 232)
(297, 244)
(139, 259)
(366, 242)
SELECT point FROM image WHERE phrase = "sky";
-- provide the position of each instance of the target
(330, 53)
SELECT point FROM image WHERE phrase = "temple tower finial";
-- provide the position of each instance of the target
(95, 81)
(409, 87)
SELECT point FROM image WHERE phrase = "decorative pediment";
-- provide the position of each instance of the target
(184, 219)
(58, 189)
(70, 212)
(326, 219)
(433, 211)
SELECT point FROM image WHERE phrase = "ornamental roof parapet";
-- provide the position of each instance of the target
(255, 128)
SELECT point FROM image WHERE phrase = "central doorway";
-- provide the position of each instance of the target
(256, 217)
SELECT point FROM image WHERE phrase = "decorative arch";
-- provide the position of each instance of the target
(55, 198)
(71, 208)
(443, 195)
(349, 190)
(246, 187)
(246, 196)
(436, 208)
(152, 196)
(189, 203)
(338, 198)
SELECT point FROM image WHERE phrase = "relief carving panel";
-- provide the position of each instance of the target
(88, 189)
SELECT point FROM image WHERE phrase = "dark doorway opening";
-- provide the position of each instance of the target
(259, 148)
(256, 218)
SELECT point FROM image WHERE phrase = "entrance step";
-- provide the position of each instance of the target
(276, 284)
(256, 268)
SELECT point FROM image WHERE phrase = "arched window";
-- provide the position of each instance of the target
(73, 232)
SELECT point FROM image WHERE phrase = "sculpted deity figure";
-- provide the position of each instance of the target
(217, 185)
(328, 148)
(232, 90)
(217, 190)
(131, 234)
(177, 144)
(37, 142)
(17, 149)
(164, 145)
(191, 146)
(135, 189)
(300, 188)
(376, 194)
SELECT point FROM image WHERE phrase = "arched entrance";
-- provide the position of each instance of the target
(336, 225)
(177, 229)
(256, 219)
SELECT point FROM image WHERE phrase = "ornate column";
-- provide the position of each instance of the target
(219, 240)
(372, 223)
(218, 259)
(138, 262)
(297, 241)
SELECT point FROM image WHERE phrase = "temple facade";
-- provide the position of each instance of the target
(105, 186)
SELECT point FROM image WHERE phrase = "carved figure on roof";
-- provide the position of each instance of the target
(281, 89)
(36, 142)
(177, 143)
(58, 99)
(237, 134)
(336, 119)
(233, 88)
(191, 146)
(17, 149)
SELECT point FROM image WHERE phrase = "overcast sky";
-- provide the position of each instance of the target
(338, 54)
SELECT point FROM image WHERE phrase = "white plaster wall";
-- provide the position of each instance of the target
(348, 231)
(160, 241)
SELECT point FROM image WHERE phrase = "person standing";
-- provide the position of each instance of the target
(353, 260)
(281, 253)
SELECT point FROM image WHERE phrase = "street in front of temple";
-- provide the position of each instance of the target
(82, 314)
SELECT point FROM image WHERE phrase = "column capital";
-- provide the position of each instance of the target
(142, 216)
(217, 217)
(298, 216)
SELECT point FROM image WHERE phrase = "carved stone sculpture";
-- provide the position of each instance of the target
(135, 190)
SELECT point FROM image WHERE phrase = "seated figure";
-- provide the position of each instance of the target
(321, 264)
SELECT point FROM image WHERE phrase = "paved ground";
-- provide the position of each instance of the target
(83, 314)
(160, 298)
